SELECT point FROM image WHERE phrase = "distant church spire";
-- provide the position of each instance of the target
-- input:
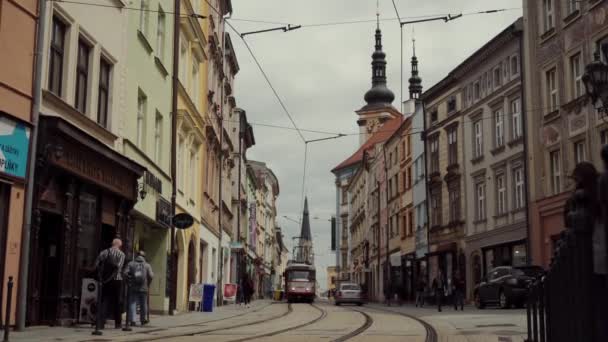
(415, 80)
(305, 232)
(379, 94)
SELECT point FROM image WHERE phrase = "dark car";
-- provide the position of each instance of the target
(506, 286)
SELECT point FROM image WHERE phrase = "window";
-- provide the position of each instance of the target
(604, 137)
(478, 139)
(409, 177)
(452, 146)
(465, 96)
(82, 76)
(516, 119)
(436, 207)
(573, 5)
(158, 130)
(433, 115)
(480, 201)
(56, 56)
(454, 196)
(452, 104)
(489, 82)
(602, 48)
(579, 152)
(104, 90)
(434, 142)
(501, 195)
(477, 91)
(484, 81)
(160, 35)
(577, 76)
(548, 18)
(470, 94)
(144, 17)
(142, 104)
(410, 223)
(195, 81)
(180, 164)
(193, 172)
(498, 128)
(551, 84)
(518, 178)
(183, 59)
(497, 77)
(556, 184)
(514, 66)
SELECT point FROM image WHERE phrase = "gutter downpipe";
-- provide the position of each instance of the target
(426, 187)
(29, 193)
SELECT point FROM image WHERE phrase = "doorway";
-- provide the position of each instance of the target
(48, 261)
(5, 191)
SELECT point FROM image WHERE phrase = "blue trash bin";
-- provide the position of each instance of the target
(208, 296)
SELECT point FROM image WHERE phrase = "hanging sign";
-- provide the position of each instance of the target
(183, 221)
(14, 146)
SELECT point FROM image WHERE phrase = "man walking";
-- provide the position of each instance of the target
(420, 292)
(439, 288)
(139, 276)
(109, 265)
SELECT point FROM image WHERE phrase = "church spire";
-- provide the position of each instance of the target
(379, 95)
(415, 80)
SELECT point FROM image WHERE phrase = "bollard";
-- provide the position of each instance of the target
(9, 298)
(128, 320)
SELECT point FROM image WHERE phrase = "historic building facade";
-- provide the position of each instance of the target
(562, 126)
(494, 156)
(85, 188)
(147, 136)
(18, 27)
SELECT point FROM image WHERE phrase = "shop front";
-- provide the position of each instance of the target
(408, 276)
(14, 154)
(84, 196)
(444, 260)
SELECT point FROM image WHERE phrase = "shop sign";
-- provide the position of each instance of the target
(183, 221)
(14, 147)
(153, 182)
(163, 212)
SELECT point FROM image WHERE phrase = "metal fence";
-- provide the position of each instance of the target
(568, 303)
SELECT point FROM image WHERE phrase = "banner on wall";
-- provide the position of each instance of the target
(14, 146)
(196, 293)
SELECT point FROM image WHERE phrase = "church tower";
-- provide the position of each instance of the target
(379, 98)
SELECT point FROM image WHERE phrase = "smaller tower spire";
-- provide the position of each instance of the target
(415, 80)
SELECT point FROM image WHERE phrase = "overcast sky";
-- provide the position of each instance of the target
(322, 73)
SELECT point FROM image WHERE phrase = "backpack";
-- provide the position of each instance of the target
(138, 277)
(110, 267)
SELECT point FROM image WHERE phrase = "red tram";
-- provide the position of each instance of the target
(300, 282)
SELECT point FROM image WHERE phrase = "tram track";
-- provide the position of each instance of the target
(207, 331)
(278, 332)
(368, 323)
(431, 333)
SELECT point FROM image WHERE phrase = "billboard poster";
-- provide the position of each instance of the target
(230, 292)
(14, 147)
(196, 293)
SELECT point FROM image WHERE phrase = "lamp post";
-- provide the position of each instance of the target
(596, 82)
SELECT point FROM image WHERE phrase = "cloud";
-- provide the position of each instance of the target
(321, 73)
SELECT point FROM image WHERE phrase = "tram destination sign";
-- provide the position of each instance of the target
(183, 221)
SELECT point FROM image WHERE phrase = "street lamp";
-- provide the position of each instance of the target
(596, 82)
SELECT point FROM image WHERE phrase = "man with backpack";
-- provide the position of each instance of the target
(109, 266)
(139, 276)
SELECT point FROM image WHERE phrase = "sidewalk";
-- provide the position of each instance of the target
(471, 325)
(82, 333)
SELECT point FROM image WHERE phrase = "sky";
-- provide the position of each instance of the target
(322, 72)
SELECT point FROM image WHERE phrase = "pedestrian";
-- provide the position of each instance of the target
(109, 266)
(387, 294)
(247, 289)
(139, 276)
(439, 289)
(420, 292)
(458, 288)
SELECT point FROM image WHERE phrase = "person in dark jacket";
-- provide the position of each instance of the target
(420, 292)
(439, 288)
(458, 290)
(139, 275)
(247, 289)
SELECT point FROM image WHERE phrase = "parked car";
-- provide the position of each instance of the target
(349, 293)
(506, 286)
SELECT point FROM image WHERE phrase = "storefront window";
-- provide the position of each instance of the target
(88, 239)
(519, 255)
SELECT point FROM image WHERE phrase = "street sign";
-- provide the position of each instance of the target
(183, 221)
(236, 245)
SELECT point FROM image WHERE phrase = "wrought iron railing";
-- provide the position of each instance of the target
(563, 303)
